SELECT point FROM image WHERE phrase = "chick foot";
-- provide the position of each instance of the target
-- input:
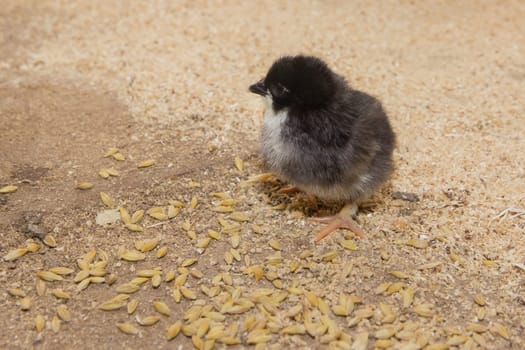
(342, 220)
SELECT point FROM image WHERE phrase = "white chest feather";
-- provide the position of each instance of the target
(273, 148)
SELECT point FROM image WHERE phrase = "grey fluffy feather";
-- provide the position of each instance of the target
(320, 134)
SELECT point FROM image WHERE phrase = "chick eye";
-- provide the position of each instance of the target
(280, 90)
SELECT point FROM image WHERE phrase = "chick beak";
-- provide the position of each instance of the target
(259, 88)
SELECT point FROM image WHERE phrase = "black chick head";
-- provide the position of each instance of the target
(298, 82)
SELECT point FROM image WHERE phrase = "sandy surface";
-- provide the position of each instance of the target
(167, 80)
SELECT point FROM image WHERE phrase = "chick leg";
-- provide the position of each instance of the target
(341, 220)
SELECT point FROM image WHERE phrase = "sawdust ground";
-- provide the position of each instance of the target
(168, 81)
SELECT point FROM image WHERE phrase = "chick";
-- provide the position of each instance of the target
(324, 137)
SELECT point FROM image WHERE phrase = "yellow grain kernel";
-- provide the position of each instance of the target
(127, 288)
(478, 338)
(110, 152)
(399, 274)
(146, 163)
(137, 216)
(177, 295)
(112, 172)
(181, 280)
(175, 203)
(312, 298)
(119, 156)
(501, 330)
(228, 258)
(188, 262)
(161, 308)
(222, 209)
(348, 244)
(203, 242)
(97, 279)
(132, 255)
(159, 216)
(239, 164)
(25, 303)
(32, 247)
(365, 312)
(424, 310)
(323, 306)
(61, 270)
(236, 254)
(107, 200)
(156, 281)
(295, 329)
(49, 276)
(81, 275)
(170, 276)
(83, 284)
(172, 211)
(360, 341)
(482, 313)
(147, 244)
(477, 328)
(489, 263)
(239, 217)
(50, 241)
(259, 336)
(257, 229)
(197, 342)
(139, 280)
(385, 333)
(394, 288)
(274, 244)
(134, 227)
(382, 288)
(15, 254)
(383, 344)
(193, 203)
(84, 185)
(55, 324)
(16, 292)
(124, 216)
(228, 202)
(173, 330)
(40, 323)
(227, 278)
(8, 189)
(127, 328)
(132, 306)
(456, 259)
(330, 256)
(148, 320)
(186, 226)
(480, 300)
(408, 296)
(188, 293)
(457, 340)
(103, 173)
(148, 273)
(162, 252)
(63, 313)
(60, 294)
(196, 273)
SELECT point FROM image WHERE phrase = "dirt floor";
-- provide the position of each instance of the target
(443, 262)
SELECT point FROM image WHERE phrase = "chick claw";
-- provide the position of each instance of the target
(341, 220)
